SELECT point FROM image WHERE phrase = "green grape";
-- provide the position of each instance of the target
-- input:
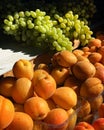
(27, 13)
(58, 48)
(82, 36)
(60, 19)
(39, 29)
(42, 29)
(56, 16)
(47, 18)
(31, 25)
(75, 34)
(88, 36)
(33, 14)
(81, 9)
(62, 25)
(10, 18)
(23, 23)
(10, 23)
(13, 27)
(21, 14)
(16, 16)
(7, 29)
(6, 21)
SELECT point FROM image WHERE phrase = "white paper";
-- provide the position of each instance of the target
(9, 57)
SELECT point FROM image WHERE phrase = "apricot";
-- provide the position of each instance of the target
(101, 111)
(21, 121)
(101, 50)
(36, 107)
(6, 85)
(91, 87)
(44, 84)
(95, 57)
(99, 71)
(22, 90)
(85, 49)
(23, 68)
(84, 109)
(6, 112)
(87, 53)
(78, 52)
(95, 42)
(60, 74)
(98, 124)
(82, 57)
(93, 49)
(66, 58)
(83, 70)
(83, 126)
(57, 119)
(65, 97)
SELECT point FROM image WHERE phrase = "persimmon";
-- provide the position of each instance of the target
(6, 112)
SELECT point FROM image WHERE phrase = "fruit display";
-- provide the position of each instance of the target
(64, 92)
(62, 88)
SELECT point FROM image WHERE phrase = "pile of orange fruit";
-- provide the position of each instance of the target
(48, 90)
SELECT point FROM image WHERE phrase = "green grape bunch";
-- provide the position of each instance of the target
(39, 29)
(84, 8)
(74, 28)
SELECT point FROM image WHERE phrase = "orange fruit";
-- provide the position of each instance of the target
(21, 121)
(22, 90)
(36, 107)
(6, 112)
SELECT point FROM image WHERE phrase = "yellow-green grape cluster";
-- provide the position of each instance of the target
(37, 28)
(73, 28)
(84, 8)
